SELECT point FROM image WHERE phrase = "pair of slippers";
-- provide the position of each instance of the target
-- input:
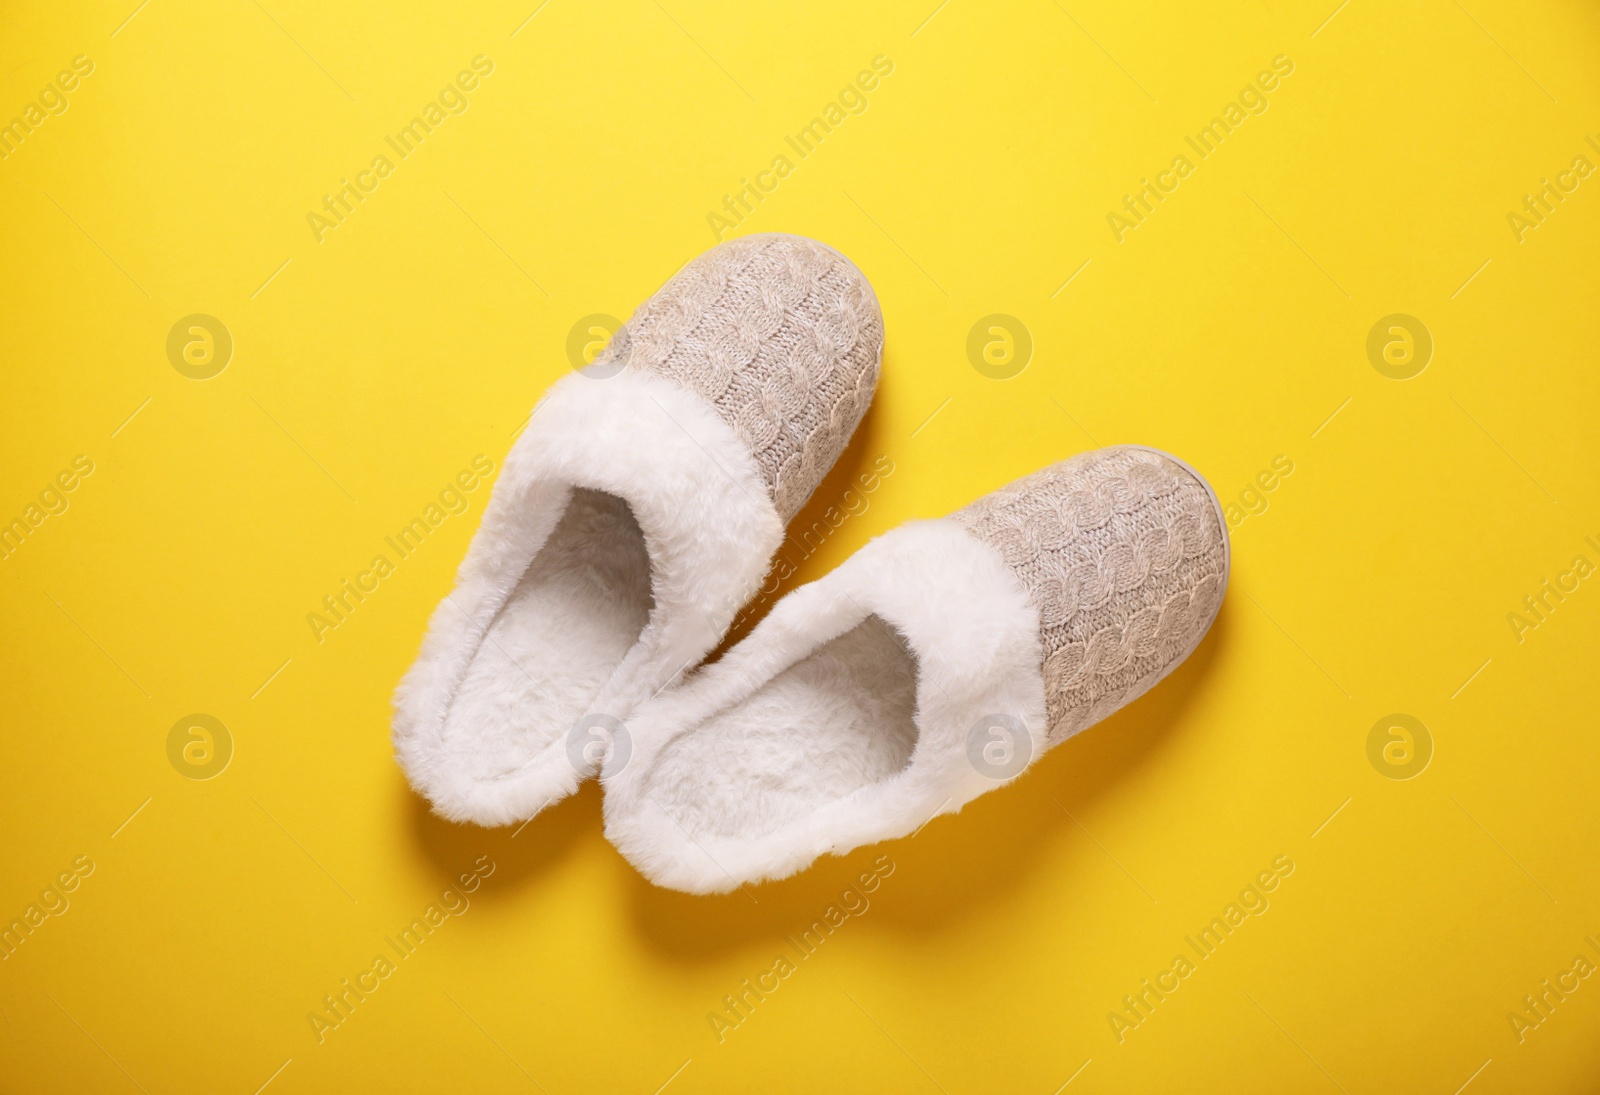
(640, 510)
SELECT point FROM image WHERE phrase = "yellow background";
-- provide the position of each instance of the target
(366, 372)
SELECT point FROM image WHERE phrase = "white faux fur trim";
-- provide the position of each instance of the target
(708, 524)
(967, 621)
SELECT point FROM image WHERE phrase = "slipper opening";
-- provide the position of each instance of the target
(839, 720)
(577, 610)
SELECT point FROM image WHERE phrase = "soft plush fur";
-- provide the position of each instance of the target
(627, 528)
(842, 719)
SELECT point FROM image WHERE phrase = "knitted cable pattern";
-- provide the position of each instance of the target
(1123, 554)
(781, 336)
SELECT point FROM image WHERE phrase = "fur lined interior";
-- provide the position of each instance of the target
(575, 613)
(560, 610)
(839, 720)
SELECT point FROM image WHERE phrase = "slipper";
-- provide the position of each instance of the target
(935, 664)
(635, 515)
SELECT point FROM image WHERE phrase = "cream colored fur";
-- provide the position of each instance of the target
(842, 719)
(627, 528)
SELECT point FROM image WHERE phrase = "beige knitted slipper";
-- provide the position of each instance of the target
(935, 664)
(634, 517)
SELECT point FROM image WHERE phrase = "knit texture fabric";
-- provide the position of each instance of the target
(782, 336)
(1124, 555)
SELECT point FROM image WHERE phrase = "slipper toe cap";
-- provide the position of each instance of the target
(1124, 553)
(782, 335)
